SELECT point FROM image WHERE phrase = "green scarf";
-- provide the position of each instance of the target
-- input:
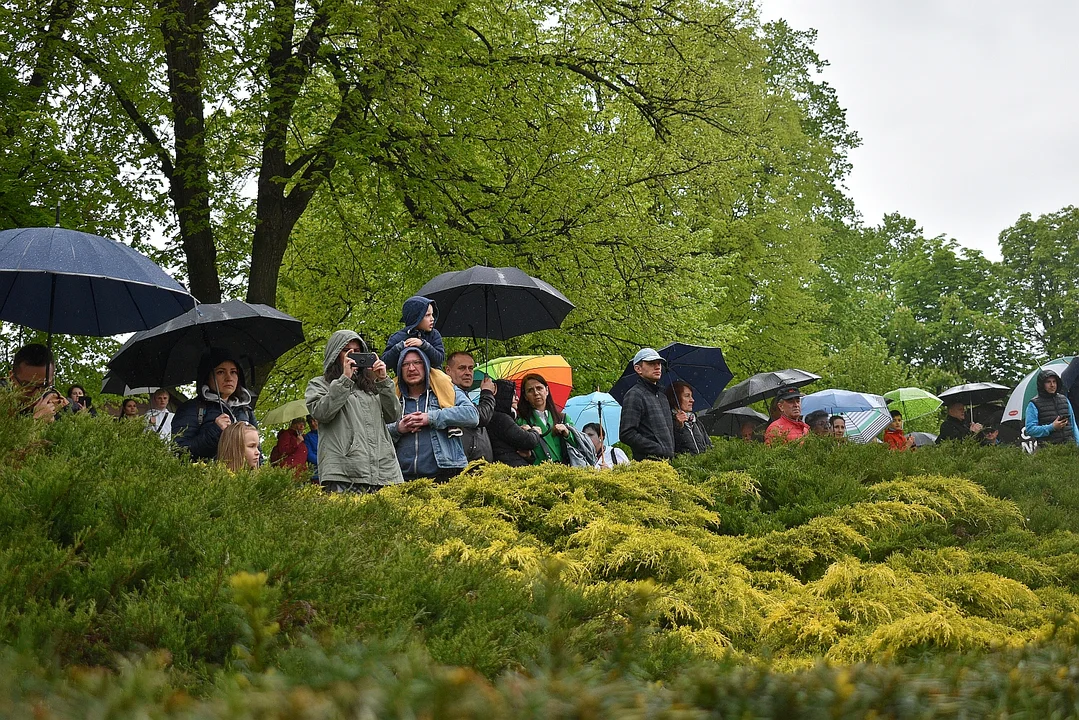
(551, 442)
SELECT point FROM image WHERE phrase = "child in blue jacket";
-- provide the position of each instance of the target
(418, 315)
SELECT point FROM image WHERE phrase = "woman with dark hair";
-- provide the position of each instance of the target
(221, 399)
(129, 408)
(689, 436)
(352, 406)
(535, 411)
(510, 444)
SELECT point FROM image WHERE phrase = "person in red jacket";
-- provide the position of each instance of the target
(894, 436)
(290, 450)
(789, 427)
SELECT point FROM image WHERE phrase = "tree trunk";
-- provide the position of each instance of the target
(183, 27)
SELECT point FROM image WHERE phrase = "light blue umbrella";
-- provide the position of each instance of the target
(598, 407)
(835, 402)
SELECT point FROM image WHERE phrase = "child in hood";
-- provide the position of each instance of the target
(418, 315)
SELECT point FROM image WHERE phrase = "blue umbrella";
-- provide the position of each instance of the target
(71, 282)
(703, 368)
(841, 401)
(598, 407)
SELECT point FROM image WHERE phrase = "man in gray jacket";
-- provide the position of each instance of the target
(461, 367)
(647, 424)
(352, 407)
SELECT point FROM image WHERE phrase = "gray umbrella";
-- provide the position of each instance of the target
(761, 386)
(729, 422)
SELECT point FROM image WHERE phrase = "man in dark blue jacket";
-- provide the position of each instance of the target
(647, 424)
(419, 315)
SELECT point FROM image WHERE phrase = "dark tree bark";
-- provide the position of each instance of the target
(183, 27)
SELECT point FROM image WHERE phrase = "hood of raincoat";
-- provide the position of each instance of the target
(414, 309)
(401, 375)
(1045, 375)
(337, 343)
(206, 388)
(504, 392)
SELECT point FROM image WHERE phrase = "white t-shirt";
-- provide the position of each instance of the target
(160, 421)
(611, 456)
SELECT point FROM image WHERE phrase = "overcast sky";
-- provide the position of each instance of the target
(966, 110)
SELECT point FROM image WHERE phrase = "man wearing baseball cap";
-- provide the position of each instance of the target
(647, 424)
(789, 427)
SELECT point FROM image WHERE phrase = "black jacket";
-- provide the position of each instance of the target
(475, 440)
(691, 438)
(195, 429)
(953, 429)
(647, 425)
(507, 437)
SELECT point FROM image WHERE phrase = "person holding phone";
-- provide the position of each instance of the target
(352, 401)
(1049, 416)
(79, 401)
(31, 377)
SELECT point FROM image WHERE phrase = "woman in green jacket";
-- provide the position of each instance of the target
(535, 411)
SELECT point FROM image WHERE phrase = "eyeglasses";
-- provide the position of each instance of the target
(412, 363)
(31, 384)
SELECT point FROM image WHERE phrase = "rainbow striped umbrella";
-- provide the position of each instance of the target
(552, 368)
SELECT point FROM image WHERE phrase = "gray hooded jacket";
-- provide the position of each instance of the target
(354, 445)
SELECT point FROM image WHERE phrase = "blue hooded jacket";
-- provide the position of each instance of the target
(412, 313)
(424, 453)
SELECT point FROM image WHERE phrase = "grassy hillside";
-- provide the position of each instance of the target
(742, 568)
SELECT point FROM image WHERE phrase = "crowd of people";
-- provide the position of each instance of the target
(367, 428)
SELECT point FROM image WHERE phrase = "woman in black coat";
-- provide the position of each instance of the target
(507, 438)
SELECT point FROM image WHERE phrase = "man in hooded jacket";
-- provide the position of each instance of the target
(352, 407)
(222, 398)
(1049, 416)
(426, 436)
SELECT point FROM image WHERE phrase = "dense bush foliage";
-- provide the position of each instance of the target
(740, 569)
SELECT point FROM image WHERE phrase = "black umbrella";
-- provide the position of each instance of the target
(978, 393)
(729, 422)
(71, 282)
(702, 368)
(974, 394)
(169, 354)
(761, 386)
(498, 303)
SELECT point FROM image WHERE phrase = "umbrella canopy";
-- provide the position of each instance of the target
(75, 283)
(702, 368)
(552, 368)
(1016, 407)
(169, 354)
(864, 426)
(761, 386)
(597, 407)
(912, 402)
(286, 413)
(729, 422)
(498, 303)
(974, 393)
(923, 438)
(840, 401)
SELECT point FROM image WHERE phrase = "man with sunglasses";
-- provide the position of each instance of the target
(31, 374)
